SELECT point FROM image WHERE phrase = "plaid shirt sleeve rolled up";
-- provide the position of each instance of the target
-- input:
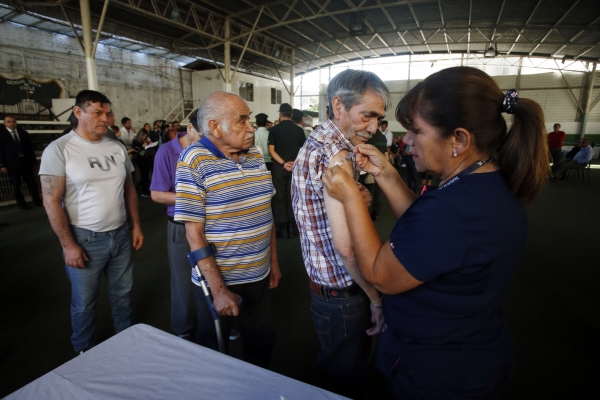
(323, 265)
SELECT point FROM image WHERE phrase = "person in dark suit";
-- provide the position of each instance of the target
(17, 159)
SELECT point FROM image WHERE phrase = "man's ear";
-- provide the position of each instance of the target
(77, 112)
(215, 128)
(462, 141)
(336, 104)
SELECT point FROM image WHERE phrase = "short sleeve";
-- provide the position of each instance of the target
(271, 139)
(161, 174)
(318, 163)
(190, 194)
(53, 160)
(128, 164)
(429, 239)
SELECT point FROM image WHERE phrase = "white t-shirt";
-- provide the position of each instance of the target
(389, 136)
(126, 136)
(95, 179)
(261, 140)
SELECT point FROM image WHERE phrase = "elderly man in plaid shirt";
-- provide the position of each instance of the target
(341, 297)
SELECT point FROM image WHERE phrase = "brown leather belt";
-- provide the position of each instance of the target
(326, 292)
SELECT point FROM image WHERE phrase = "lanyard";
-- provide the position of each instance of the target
(466, 172)
(462, 174)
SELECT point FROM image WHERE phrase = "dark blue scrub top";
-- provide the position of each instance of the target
(463, 242)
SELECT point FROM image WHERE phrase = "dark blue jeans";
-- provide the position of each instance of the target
(110, 255)
(343, 356)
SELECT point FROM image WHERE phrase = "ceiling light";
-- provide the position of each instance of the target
(175, 13)
(357, 25)
(490, 52)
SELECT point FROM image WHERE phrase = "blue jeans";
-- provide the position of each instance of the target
(343, 356)
(110, 254)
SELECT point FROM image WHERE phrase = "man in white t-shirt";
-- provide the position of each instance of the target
(127, 132)
(389, 136)
(261, 138)
(87, 186)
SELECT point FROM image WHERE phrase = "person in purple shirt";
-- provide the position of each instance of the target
(162, 190)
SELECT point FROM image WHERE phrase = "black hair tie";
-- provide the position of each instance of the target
(511, 98)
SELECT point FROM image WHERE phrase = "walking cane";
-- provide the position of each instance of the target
(193, 258)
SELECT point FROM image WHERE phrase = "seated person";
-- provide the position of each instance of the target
(568, 156)
(579, 161)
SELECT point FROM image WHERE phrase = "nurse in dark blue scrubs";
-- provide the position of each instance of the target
(452, 251)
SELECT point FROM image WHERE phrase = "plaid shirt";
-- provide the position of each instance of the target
(323, 264)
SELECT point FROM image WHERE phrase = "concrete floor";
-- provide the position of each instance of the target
(551, 303)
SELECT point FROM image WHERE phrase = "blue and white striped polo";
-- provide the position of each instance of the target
(233, 200)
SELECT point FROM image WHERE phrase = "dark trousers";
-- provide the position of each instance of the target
(256, 322)
(282, 201)
(26, 171)
(401, 386)
(182, 306)
(562, 167)
(144, 166)
(343, 356)
(412, 176)
(555, 153)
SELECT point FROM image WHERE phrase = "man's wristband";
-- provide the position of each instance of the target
(197, 255)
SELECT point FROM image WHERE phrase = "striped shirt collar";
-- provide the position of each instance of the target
(210, 146)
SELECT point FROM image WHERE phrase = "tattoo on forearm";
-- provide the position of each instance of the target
(49, 184)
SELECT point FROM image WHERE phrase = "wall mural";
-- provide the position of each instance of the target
(27, 97)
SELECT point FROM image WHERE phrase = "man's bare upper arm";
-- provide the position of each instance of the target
(336, 215)
(53, 187)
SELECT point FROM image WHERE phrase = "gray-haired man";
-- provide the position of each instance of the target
(341, 297)
(223, 195)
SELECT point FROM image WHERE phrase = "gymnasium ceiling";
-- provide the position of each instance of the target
(326, 32)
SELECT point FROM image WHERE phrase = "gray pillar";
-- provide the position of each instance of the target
(518, 85)
(90, 63)
(292, 79)
(227, 58)
(588, 98)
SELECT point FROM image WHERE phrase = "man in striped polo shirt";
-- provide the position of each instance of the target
(223, 194)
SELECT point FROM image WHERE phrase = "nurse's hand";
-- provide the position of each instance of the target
(340, 184)
(370, 159)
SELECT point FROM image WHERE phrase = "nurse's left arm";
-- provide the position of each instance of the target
(388, 274)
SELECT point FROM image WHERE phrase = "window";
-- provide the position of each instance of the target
(246, 91)
(275, 96)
